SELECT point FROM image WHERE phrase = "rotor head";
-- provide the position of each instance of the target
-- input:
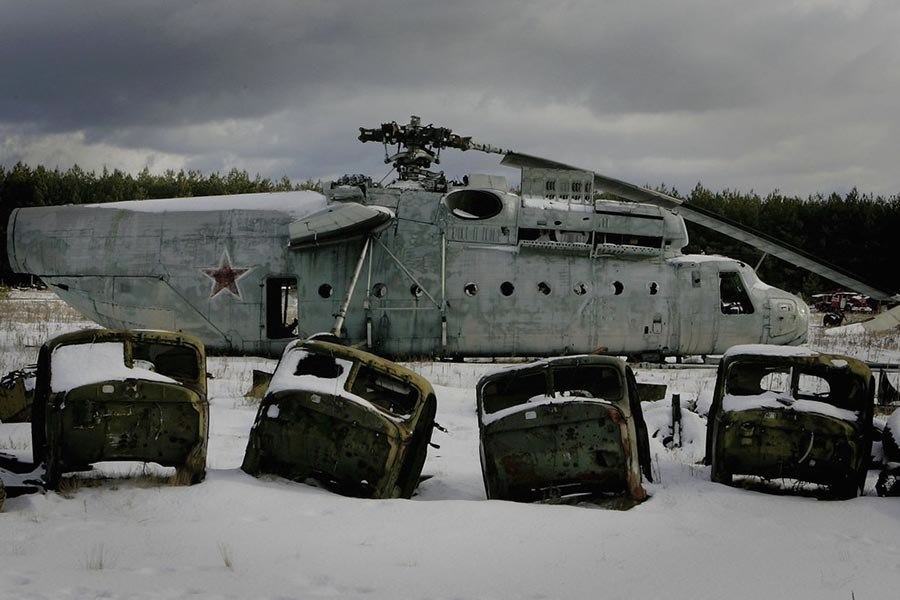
(418, 147)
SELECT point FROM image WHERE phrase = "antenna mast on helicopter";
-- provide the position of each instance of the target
(417, 147)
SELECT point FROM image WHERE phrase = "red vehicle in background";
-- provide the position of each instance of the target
(843, 301)
(835, 304)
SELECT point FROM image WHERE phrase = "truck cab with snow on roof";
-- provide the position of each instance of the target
(792, 413)
(563, 429)
(115, 395)
(356, 423)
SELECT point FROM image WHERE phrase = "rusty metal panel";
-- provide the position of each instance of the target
(151, 408)
(795, 414)
(562, 429)
(355, 423)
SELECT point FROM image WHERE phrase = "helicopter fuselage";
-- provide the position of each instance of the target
(476, 271)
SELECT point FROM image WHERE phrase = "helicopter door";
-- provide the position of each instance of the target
(281, 308)
(697, 308)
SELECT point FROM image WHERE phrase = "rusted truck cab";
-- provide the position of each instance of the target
(354, 422)
(111, 395)
(562, 429)
(792, 413)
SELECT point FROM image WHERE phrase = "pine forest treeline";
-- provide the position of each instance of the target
(856, 231)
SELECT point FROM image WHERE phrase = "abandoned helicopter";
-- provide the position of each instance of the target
(448, 269)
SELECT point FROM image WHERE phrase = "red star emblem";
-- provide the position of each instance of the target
(225, 277)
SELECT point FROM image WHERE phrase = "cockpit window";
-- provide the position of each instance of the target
(735, 300)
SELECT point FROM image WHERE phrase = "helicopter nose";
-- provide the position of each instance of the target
(788, 318)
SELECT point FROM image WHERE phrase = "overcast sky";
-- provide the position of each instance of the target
(798, 95)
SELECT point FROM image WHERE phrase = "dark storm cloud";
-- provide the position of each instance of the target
(795, 95)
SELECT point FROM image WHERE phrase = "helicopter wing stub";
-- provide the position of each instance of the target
(716, 222)
(338, 222)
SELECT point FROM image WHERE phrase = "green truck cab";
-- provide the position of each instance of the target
(781, 412)
(562, 428)
(356, 423)
(110, 395)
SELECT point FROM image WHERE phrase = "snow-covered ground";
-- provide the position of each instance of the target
(234, 536)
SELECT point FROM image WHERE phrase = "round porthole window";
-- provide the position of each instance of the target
(507, 288)
(544, 288)
(379, 290)
(618, 287)
(416, 291)
(580, 288)
(653, 287)
(325, 290)
(471, 289)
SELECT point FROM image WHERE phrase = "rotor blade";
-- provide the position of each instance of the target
(516, 159)
(716, 222)
(886, 321)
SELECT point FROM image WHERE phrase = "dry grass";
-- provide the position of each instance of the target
(36, 308)
(27, 320)
(180, 478)
(94, 559)
(872, 347)
(70, 484)
(18, 549)
(226, 555)
(10, 443)
(232, 377)
(783, 486)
